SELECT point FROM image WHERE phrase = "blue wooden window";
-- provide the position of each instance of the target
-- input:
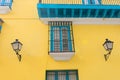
(60, 39)
(44, 12)
(92, 13)
(52, 13)
(85, 13)
(6, 2)
(62, 75)
(108, 14)
(0, 27)
(1, 21)
(76, 12)
(86, 2)
(68, 12)
(117, 14)
(61, 12)
(101, 12)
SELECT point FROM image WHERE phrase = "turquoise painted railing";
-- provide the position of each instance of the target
(6, 3)
(76, 11)
(104, 2)
(79, 10)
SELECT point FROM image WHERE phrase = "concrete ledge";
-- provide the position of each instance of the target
(84, 20)
(4, 9)
(61, 56)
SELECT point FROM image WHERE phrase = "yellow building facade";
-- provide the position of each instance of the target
(24, 24)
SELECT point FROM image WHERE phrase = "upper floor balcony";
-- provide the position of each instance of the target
(5, 6)
(80, 11)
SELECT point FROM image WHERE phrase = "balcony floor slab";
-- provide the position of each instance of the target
(62, 56)
(4, 9)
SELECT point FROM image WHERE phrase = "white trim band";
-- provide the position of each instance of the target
(84, 20)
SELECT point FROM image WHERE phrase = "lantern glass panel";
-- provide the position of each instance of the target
(19, 46)
(15, 45)
(109, 45)
(105, 46)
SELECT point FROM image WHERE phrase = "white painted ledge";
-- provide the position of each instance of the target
(84, 20)
(62, 56)
(4, 9)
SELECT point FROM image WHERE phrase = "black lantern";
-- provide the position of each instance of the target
(17, 47)
(108, 45)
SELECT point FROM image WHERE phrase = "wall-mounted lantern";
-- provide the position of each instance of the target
(108, 45)
(16, 45)
(1, 22)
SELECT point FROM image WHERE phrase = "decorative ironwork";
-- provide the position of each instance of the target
(61, 37)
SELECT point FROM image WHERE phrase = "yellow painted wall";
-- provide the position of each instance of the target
(23, 23)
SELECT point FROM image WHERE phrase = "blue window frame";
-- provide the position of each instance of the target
(85, 12)
(76, 12)
(1, 22)
(68, 12)
(44, 12)
(0, 28)
(91, 2)
(61, 12)
(117, 14)
(92, 14)
(101, 12)
(108, 13)
(61, 38)
(52, 12)
(62, 75)
(6, 3)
